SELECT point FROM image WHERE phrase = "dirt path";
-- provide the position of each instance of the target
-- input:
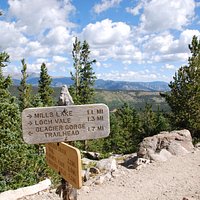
(172, 180)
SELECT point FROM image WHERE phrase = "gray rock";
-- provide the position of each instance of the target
(94, 170)
(162, 146)
(65, 97)
(86, 161)
(109, 164)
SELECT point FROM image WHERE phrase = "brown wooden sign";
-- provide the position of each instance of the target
(66, 160)
(65, 123)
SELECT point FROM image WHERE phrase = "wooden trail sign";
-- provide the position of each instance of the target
(66, 160)
(65, 123)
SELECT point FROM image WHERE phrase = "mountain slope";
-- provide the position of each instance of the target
(104, 84)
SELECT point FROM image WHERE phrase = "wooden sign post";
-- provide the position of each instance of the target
(65, 123)
(52, 125)
(66, 160)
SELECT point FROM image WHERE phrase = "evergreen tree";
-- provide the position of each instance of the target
(84, 78)
(82, 90)
(17, 168)
(76, 55)
(184, 97)
(24, 89)
(125, 130)
(44, 89)
(148, 119)
(153, 122)
(5, 83)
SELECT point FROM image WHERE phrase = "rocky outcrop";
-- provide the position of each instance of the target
(65, 98)
(165, 145)
(97, 172)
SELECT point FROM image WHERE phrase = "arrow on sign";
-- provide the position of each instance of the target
(29, 116)
(30, 133)
(30, 123)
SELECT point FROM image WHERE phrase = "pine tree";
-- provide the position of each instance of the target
(82, 90)
(184, 97)
(153, 123)
(148, 119)
(44, 89)
(5, 83)
(20, 165)
(84, 78)
(125, 130)
(88, 77)
(24, 89)
(76, 54)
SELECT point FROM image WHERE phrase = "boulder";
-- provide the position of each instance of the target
(108, 164)
(166, 144)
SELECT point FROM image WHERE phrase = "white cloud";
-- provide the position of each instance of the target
(41, 60)
(169, 67)
(60, 59)
(164, 47)
(106, 32)
(109, 39)
(197, 4)
(35, 49)
(130, 76)
(136, 10)
(159, 43)
(10, 35)
(164, 15)
(180, 57)
(105, 5)
(37, 16)
(58, 39)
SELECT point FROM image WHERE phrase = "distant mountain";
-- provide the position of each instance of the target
(124, 85)
(104, 84)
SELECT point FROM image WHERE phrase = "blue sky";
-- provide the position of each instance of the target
(132, 40)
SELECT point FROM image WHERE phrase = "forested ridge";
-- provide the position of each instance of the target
(23, 164)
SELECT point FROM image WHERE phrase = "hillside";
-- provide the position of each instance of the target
(103, 84)
(115, 99)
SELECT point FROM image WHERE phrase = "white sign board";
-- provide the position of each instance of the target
(65, 123)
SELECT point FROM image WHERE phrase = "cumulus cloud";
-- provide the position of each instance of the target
(105, 5)
(37, 16)
(130, 75)
(164, 15)
(164, 47)
(59, 40)
(106, 32)
(181, 57)
(109, 39)
(10, 35)
(158, 43)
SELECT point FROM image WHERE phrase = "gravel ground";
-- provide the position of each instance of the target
(176, 179)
